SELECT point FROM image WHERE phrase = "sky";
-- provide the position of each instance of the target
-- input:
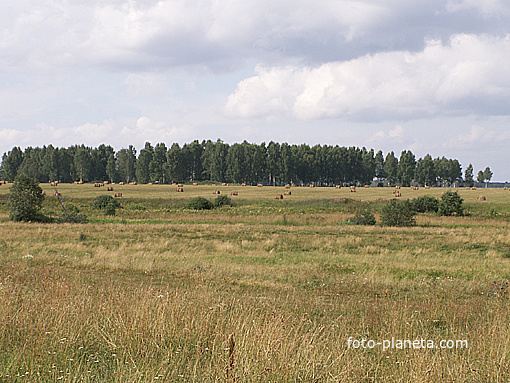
(429, 76)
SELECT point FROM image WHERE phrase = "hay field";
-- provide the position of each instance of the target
(265, 291)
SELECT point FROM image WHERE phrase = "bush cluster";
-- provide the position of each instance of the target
(222, 200)
(451, 204)
(398, 213)
(199, 203)
(425, 204)
(25, 200)
(363, 216)
(107, 204)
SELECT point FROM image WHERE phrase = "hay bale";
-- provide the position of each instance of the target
(216, 192)
(234, 193)
(287, 186)
(259, 185)
(398, 194)
(118, 195)
(367, 186)
(121, 183)
(195, 183)
(278, 196)
(427, 187)
(473, 188)
(180, 190)
(482, 198)
(338, 187)
(312, 185)
(243, 184)
(180, 185)
(287, 192)
(105, 182)
(110, 188)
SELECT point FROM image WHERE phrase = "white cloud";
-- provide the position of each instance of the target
(477, 135)
(111, 132)
(149, 34)
(441, 79)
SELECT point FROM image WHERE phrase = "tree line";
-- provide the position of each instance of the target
(272, 164)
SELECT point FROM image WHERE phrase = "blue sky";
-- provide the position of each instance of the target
(431, 76)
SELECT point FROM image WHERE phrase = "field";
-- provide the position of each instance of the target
(265, 291)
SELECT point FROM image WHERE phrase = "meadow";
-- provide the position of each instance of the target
(265, 291)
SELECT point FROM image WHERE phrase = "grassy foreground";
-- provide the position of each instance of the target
(268, 291)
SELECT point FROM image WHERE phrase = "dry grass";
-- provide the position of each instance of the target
(257, 293)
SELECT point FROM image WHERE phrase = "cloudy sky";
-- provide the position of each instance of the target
(427, 75)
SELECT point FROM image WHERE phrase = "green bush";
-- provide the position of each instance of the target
(425, 204)
(102, 201)
(107, 204)
(72, 217)
(25, 200)
(398, 213)
(222, 200)
(199, 203)
(363, 216)
(451, 204)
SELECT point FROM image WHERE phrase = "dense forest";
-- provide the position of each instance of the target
(271, 164)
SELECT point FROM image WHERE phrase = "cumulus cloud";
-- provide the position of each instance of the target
(112, 132)
(444, 78)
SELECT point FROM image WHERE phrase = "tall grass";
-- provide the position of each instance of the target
(231, 295)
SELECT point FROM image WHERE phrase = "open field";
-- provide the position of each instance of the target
(265, 291)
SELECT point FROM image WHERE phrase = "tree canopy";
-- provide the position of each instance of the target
(273, 163)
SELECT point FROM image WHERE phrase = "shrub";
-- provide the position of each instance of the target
(72, 217)
(451, 204)
(102, 201)
(425, 204)
(25, 200)
(398, 213)
(222, 200)
(107, 204)
(199, 203)
(363, 216)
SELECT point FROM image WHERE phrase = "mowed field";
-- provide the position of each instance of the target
(265, 291)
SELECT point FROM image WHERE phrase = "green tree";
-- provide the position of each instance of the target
(111, 168)
(379, 166)
(390, 168)
(425, 172)
(487, 175)
(158, 163)
(83, 163)
(406, 167)
(468, 176)
(175, 164)
(126, 159)
(25, 199)
(143, 163)
(480, 178)
(11, 161)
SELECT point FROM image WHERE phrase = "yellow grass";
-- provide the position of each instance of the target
(131, 300)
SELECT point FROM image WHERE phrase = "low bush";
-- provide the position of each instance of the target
(398, 213)
(425, 204)
(72, 217)
(102, 201)
(363, 216)
(107, 204)
(222, 200)
(451, 204)
(199, 203)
